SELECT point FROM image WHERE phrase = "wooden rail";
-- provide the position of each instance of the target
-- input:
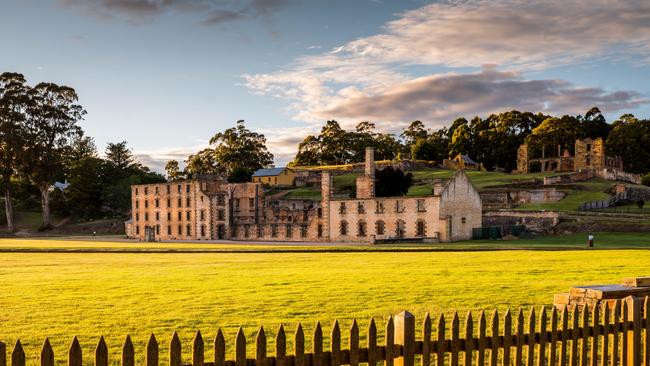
(601, 335)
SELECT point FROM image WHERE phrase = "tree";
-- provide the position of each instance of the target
(238, 147)
(53, 114)
(173, 170)
(13, 103)
(630, 139)
(202, 163)
(594, 125)
(308, 152)
(554, 132)
(413, 133)
(391, 182)
(118, 154)
(240, 175)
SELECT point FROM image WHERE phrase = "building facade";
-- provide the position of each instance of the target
(274, 177)
(212, 209)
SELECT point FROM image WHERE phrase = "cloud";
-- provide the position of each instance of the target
(442, 98)
(218, 11)
(411, 69)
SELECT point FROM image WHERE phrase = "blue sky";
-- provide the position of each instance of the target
(165, 75)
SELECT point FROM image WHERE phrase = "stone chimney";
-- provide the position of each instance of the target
(366, 182)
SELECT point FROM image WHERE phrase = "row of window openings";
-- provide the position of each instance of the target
(379, 208)
(251, 203)
(188, 230)
(188, 215)
(380, 228)
(156, 191)
(288, 231)
(188, 203)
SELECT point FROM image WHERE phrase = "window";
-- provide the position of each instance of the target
(260, 231)
(288, 230)
(361, 228)
(421, 206)
(188, 230)
(180, 202)
(246, 230)
(251, 203)
(187, 188)
(361, 208)
(463, 220)
(169, 230)
(137, 217)
(137, 230)
(187, 215)
(400, 228)
(399, 206)
(157, 229)
(156, 189)
(145, 190)
(319, 212)
(180, 215)
(146, 203)
(303, 231)
(179, 188)
(274, 231)
(202, 230)
(136, 191)
(169, 216)
(342, 208)
(157, 216)
(157, 202)
(137, 204)
(201, 198)
(221, 200)
(221, 215)
(169, 203)
(320, 230)
(146, 216)
(202, 212)
(168, 190)
(188, 202)
(380, 227)
(180, 229)
(421, 230)
(344, 228)
(237, 203)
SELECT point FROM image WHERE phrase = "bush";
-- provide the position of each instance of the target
(640, 203)
(645, 180)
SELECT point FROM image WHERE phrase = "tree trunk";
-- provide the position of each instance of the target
(9, 210)
(45, 204)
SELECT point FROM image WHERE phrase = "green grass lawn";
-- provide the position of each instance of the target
(91, 294)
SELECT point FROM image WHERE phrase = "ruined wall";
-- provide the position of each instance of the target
(461, 204)
(535, 221)
(522, 159)
(365, 184)
(616, 175)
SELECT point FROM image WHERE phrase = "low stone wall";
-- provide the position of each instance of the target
(617, 175)
(535, 221)
(578, 176)
(505, 199)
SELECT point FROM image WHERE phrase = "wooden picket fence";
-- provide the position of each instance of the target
(606, 335)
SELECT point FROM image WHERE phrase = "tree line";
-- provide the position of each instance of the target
(41, 143)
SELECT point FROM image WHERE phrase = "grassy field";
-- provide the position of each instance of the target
(112, 294)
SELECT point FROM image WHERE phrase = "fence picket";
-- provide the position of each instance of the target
(482, 325)
(390, 341)
(625, 329)
(354, 343)
(335, 344)
(564, 337)
(151, 356)
(197, 349)
(260, 348)
(594, 337)
(584, 332)
(469, 344)
(617, 329)
(317, 346)
(494, 340)
(507, 337)
(520, 338)
(240, 348)
(372, 343)
(220, 349)
(530, 354)
(440, 346)
(455, 339)
(101, 353)
(18, 355)
(426, 341)
(175, 358)
(47, 354)
(299, 347)
(280, 347)
(541, 353)
(128, 357)
(646, 312)
(605, 354)
(3, 354)
(573, 354)
(74, 354)
(634, 348)
(552, 349)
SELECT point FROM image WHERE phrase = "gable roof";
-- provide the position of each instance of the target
(268, 172)
(467, 159)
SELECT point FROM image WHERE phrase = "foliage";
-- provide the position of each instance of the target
(239, 147)
(173, 171)
(630, 139)
(640, 204)
(390, 182)
(202, 163)
(645, 180)
(240, 175)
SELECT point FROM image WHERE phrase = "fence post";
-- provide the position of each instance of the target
(634, 333)
(405, 336)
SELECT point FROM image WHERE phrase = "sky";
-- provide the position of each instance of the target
(166, 75)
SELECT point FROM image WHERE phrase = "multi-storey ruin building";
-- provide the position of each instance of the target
(209, 208)
(588, 154)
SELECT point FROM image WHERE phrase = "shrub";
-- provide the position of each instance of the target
(645, 180)
(640, 203)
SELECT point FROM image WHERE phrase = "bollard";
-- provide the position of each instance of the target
(590, 239)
